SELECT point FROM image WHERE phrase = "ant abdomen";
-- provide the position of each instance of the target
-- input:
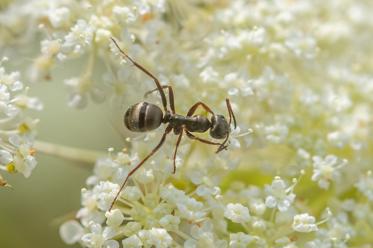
(143, 117)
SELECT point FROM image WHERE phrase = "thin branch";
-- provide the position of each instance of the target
(67, 152)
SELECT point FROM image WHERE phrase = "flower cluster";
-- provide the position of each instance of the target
(288, 81)
(152, 212)
(17, 129)
(299, 76)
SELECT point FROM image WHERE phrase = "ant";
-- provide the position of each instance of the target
(144, 116)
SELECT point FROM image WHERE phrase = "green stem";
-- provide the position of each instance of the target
(67, 152)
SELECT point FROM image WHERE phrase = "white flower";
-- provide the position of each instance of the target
(259, 224)
(240, 240)
(5, 157)
(71, 232)
(301, 45)
(157, 237)
(105, 169)
(339, 230)
(132, 242)
(209, 75)
(114, 218)
(79, 38)
(96, 200)
(205, 191)
(131, 193)
(25, 164)
(279, 195)
(22, 101)
(172, 195)
(24, 161)
(276, 133)
(257, 207)
(82, 88)
(11, 80)
(102, 36)
(124, 14)
(191, 209)
(237, 213)
(17, 130)
(131, 228)
(59, 17)
(190, 243)
(303, 154)
(326, 170)
(170, 222)
(304, 223)
(99, 237)
(203, 234)
(4, 93)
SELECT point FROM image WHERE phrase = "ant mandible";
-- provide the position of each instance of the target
(144, 116)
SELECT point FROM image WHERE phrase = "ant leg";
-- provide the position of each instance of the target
(190, 113)
(170, 96)
(156, 81)
(177, 145)
(222, 145)
(191, 136)
(168, 129)
(196, 105)
(230, 112)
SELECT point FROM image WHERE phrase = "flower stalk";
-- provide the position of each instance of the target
(86, 156)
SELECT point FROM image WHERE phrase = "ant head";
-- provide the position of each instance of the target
(219, 127)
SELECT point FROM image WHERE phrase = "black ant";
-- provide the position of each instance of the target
(144, 116)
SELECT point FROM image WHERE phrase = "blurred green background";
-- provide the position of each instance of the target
(31, 212)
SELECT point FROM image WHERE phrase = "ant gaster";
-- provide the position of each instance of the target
(144, 116)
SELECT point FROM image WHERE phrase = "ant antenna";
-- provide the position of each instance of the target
(158, 84)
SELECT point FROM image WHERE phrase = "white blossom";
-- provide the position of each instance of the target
(237, 213)
(132, 242)
(157, 237)
(279, 195)
(60, 17)
(99, 237)
(17, 130)
(71, 232)
(79, 38)
(170, 222)
(240, 240)
(304, 223)
(114, 218)
(327, 169)
(132, 193)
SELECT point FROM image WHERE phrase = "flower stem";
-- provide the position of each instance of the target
(67, 152)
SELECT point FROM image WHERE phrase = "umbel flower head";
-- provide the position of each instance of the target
(17, 130)
(299, 76)
(152, 212)
(303, 97)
